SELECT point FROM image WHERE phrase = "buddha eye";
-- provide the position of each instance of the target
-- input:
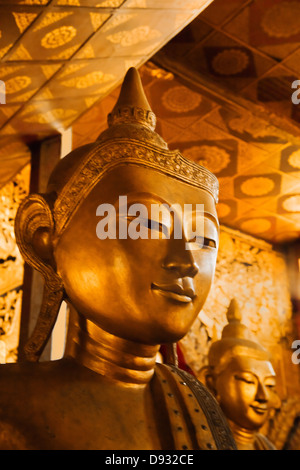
(244, 379)
(205, 242)
(270, 386)
(210, 242)
(151, 225)
(158, 227)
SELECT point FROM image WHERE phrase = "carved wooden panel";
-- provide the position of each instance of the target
(11, 266)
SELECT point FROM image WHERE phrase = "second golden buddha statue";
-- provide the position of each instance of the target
(127, 296)
(241, 376)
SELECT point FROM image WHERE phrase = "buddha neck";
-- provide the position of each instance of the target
(244, 437)
(126, 362)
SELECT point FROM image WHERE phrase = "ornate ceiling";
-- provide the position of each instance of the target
(221, 90)
(57, 57)
(241, 57)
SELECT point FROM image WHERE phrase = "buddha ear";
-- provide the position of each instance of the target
(206, 376)
(34, 228)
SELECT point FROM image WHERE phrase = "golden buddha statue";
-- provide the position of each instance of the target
(127, 296)
(241, 376)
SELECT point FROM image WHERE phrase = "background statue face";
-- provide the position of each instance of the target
(145, 290)
(246, 391)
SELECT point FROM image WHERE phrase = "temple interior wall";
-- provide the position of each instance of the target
(11, 266)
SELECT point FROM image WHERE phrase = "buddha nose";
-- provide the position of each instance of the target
(261, 393)
(180, 260)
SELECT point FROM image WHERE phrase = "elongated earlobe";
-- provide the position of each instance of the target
(42, 244)
(206, 377)
(34, 227)
(52, 299)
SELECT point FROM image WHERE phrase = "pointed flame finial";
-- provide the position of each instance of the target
(236, 340)
(235, 328)
(233, 312)
(132, 105)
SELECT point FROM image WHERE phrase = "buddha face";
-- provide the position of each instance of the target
(246, 391)
(146, 290)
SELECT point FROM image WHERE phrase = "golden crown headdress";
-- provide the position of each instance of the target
(236, 340)
(129, 139)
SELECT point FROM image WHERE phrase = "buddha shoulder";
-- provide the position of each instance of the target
(27, 379)
(36, 398)
(39, 384)
(21, 387)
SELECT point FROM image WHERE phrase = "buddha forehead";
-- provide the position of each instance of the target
(117, 168)
(140, 183)
(261, 368)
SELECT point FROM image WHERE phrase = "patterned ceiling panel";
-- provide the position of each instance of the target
(251, 48)
(271, 26)
(57, 35)
(133, 33)
(58, 57)
(16, 21)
